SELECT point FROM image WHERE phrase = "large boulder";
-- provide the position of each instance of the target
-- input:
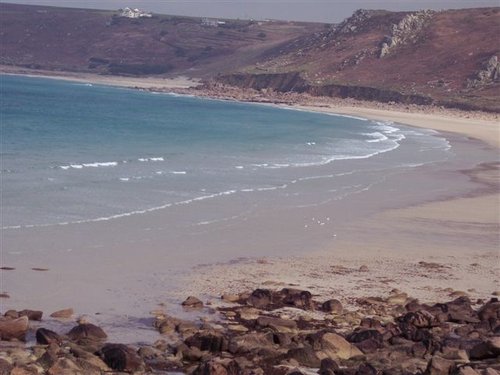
(332, 306)
(301, 299)
(31, 314)
(14, 329)
(277, 324)
(333, 345)
(305, 356)
(251, 342)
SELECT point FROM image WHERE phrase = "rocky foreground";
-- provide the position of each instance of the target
(276, 333)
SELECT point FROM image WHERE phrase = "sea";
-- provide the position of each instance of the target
(76, 153)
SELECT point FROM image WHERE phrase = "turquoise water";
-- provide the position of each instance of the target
(74, 152)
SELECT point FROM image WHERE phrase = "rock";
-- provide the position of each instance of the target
(13, 314)
(88, 360)
(218, 366)
(364, 268)
(248, 313)
(233, 298)
(332, 306)
(46, 337)
(14, 328)
(439, 366)
(366, 369)
(192, 302)
(65, 366)
(260, 298)
(87, 331)
(251, 342)
(211, 341)
(328, 367)
(419, 319)
(301, 299)
(305, 356)
(5, 367)
(489, 311)
(467, 370)
(121, 357)
(277, 324)
(62, 314)
(486, 349)
(336, 347)
(398, 299)
(31, 314)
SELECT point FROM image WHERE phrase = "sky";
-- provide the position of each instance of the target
(330, 11)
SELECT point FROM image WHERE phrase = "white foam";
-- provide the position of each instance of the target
(89, 165)
(178, 172)
(157, 158)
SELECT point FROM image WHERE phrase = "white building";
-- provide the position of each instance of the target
(135, 13)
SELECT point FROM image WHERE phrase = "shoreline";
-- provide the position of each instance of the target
(441, 220)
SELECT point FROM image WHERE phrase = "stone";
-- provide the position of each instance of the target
(65, 366)
(11, 329)
(490, 310)
(486, 349)
(233, 298)
(277, 324)
(305, 356)
(301, 299)
(332, 306)
(467, 370)
(336, 347)
(260, 298)
(5, 367)
(63, 314)
(328, 367)
(87, 331)
(419, 319)
(211, 341)
(251, 342)
(439, 366)
(121, 357)
(13, 314)
(192, 302)
(46, 337)
(31, 314)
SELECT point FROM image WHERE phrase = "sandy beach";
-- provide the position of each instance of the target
(431, 250)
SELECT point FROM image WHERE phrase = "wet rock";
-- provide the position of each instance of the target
(46, 337)
(332, 306)
(305, 356)
(87, 331)
(63, 314)
(251, 342)
(192, 302)
(121, 357)
(14, 329)
(31, 314)
(419, 319)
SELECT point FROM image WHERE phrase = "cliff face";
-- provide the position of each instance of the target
(446, 58)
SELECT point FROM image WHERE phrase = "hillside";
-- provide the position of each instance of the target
(102, 42)
(447, 58)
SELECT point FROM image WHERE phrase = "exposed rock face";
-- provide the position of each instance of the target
(353, 23)
(406, 31)
(488, 74)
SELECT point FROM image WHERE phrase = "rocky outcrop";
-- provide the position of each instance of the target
(489, 73)
(293, 82)
(354, 23)
(407, 31)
